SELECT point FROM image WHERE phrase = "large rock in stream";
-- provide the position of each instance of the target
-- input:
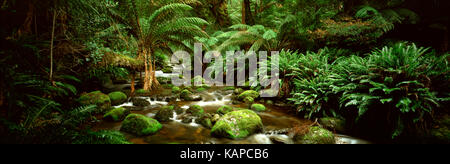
(165, 114)
(117, 98)
(140, 125)
(117, 114)
(238, 124)
(96, 98)
(316, 135)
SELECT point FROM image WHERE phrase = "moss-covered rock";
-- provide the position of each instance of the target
(117, 114)
(269, 102)
(249, 93)
(237, 124)
(195, 110)
(238, 91)
(165, 114)
(117, 98)
(334, 124)
(186, 95)
(96, 98)
(258, 108)
(176, 89)
(229, 88)
(224, 110)
(249, 100)
(198, 80)
(316, 135)
(142, 92)
(140, 102)
(201, 89)
(140, 125)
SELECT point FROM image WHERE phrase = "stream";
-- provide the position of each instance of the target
(277, 121)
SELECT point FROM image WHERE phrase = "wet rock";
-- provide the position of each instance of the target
(98, 98)
(249, 93)
(195, 110)
(333, 124)
(117, 114)
(205, 120)
(140, 125)
(179, 110)
(235, 102)
(140, 102)
(117, 98)
(215, 118)
(176, 90)
(187, 119)
(269, 102)
(165, 114)
(258, 108)
(238, 91)
(186, 95)
(238, 124)
(224, 110)
(316, 135)
(281, 104)
(280, 139)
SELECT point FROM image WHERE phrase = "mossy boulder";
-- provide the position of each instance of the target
(224, 110)
(140, 125)
(316, 135)
(238, 91)
(176, 89)
(333, 124)
(201, 89)
(165, 114)
(186, 95)
(117, 114)
(140, 102)
(258, 108)
(96, 98)
(142, 92)
(197, 80)
(269, 102)
(249, 93)
(237, 124)
(249, 100)
(229, 88)
(196, 110)
(117, 98)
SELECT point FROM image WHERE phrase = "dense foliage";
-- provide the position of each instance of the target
(360, 60)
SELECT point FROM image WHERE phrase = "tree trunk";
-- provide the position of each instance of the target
(148, 69)
(133, 79)
(51, 45)
(247, 17)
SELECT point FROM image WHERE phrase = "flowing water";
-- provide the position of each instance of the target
(277, 121)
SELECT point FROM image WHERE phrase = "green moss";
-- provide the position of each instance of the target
(140, 125)
(250, 93)
(165, 113)
(195, 110)
(238, 91)
(142, 91)
(224, 110)
(176, 90)
(201, 89)
(117, 114)
(96, 98)
(317, 135)
(333, 124)
(117, 98)
(101, 137)
(186, 95)
(258, 107)
(249, 100)
(198, 79)
(237, 124)
(269, 102)
(229, 88)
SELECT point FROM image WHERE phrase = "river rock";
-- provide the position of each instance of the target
(238, 124)
(249, 93)
(195, 110)
(316, 135)
(98, 98)
(117, 98)
(140, 125)
(258, 108)
(140, 102)
(280, 139)
(117, 114)
(224, 110)
(165, 114)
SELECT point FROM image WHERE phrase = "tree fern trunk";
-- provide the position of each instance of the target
(133, 82)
